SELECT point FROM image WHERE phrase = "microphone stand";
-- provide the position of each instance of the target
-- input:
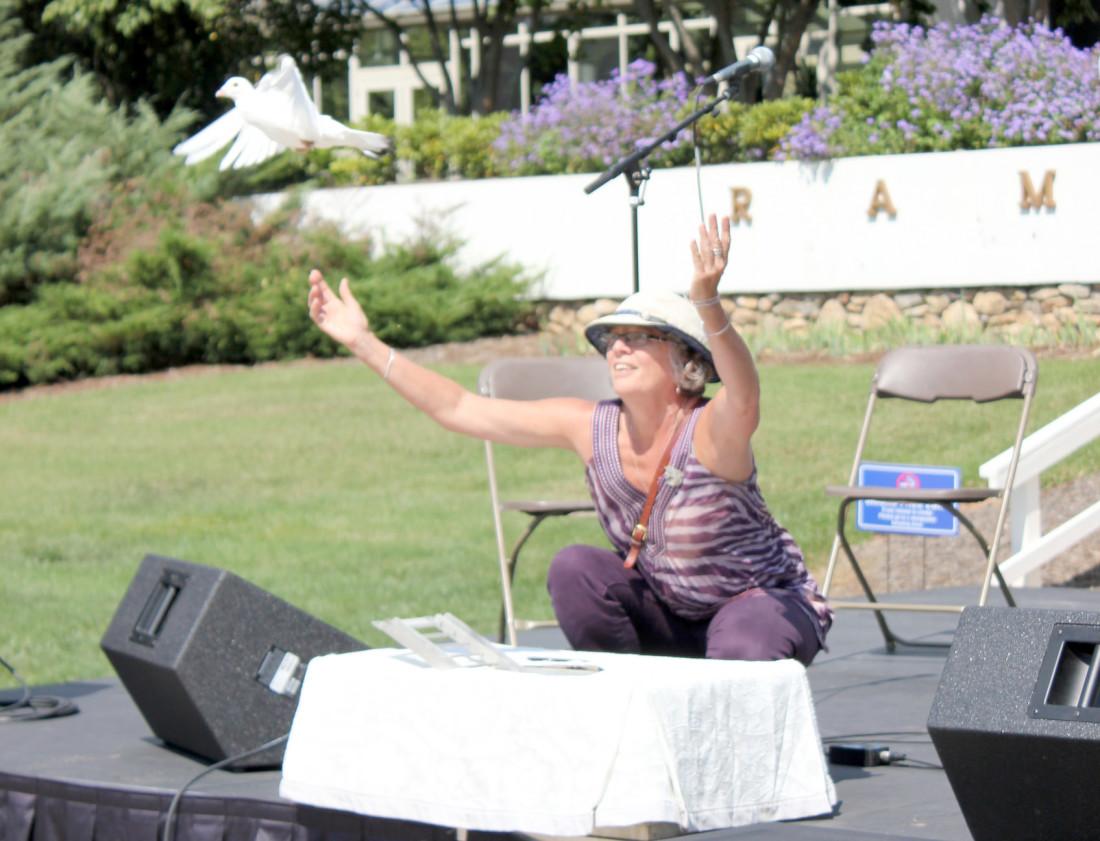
(637, 174)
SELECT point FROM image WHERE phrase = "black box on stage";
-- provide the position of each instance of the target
(214, 663)
(1016, 722)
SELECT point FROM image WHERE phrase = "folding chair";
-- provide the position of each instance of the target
(979, 373)
(533, 379)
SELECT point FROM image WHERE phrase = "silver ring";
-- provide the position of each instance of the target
(717, 252)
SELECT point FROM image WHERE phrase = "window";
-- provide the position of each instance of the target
(377, 48)
(419, 42)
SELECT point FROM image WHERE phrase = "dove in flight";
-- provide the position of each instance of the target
(276, 114)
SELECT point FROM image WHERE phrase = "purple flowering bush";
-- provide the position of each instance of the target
(591, 125)
(956, 87)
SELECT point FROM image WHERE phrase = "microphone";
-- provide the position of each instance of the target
(760, 60)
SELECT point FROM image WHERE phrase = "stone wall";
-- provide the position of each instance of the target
(1005, 312)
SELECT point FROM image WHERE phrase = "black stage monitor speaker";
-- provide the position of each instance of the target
(1016, 722)
(212, 662)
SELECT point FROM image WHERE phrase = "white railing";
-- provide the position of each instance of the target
(1041, 450)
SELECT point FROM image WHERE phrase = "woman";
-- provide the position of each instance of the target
(699, 566)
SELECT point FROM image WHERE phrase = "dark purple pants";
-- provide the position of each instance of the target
(601, 606)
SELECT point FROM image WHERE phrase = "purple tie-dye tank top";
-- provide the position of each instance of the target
(709, 539)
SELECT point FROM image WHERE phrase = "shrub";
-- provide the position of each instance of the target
(469, 146)
(749, 133)
(414, 297)
(52, 178)
(590, 126)
(440, 145)
(984, 85)
(193, 283)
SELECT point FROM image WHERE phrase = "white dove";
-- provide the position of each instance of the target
(274, 115)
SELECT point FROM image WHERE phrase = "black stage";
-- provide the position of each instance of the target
(101, 774)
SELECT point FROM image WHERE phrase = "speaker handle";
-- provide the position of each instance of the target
(151, 619)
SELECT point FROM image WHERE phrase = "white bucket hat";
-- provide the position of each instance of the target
(665, 311)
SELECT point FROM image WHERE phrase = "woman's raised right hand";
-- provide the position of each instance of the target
(339, 316)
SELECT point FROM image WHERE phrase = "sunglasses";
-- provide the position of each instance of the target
(632, 339)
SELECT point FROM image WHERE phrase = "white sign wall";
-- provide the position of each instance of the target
(1001, 217)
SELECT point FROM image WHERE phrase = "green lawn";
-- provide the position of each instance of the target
(316, 483)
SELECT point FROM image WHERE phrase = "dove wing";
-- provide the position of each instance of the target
(286, 99)
(251, 147)
(209, 140)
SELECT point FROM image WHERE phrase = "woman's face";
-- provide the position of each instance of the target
(639, 359)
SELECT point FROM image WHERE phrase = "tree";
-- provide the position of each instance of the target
(52, 178)
(168, 52)
(474, 90)
(791, 17)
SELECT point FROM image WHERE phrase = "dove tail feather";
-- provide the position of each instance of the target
(335, 133)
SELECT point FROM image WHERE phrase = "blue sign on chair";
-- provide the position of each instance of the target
(922, 519)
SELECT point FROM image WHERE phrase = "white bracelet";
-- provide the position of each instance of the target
(720, 331)
(389, 364)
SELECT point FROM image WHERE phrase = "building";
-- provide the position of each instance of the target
(382, 78)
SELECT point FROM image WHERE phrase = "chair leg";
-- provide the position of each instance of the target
(887, 634)
(891, 639)
(962, 518)
(512, 561)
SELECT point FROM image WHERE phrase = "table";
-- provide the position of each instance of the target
(703, 744)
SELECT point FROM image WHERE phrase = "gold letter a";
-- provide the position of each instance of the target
(881, 201)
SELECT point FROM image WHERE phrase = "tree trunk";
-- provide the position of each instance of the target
(647, 11)
(462, 103)
(446, 97)
(693, 58)
(494, 30)
(724, 53)
(801, 12)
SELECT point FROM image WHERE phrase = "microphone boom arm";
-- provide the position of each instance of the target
(630, 162)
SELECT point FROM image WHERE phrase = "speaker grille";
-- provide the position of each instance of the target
(1017, 775)
(213, 662)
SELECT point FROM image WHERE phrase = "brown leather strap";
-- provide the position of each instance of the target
(638, 534)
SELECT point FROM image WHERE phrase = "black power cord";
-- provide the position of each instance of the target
(173, 807)
(30, 707)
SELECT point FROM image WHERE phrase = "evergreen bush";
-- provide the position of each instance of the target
(200, 283)
(52, 177)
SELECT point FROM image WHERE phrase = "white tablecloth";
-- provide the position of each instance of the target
(704, 744)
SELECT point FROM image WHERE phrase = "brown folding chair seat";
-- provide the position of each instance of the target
(535, 378)
(978, 373)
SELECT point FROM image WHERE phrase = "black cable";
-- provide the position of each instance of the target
(173, 807)
(845, 737)
(32, 707)
(841, 739)
(903, 761)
